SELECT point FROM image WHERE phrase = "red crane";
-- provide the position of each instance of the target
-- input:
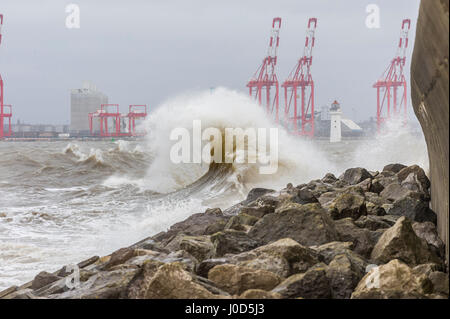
(265, 77)
(104, 114)
(111, 111)
(135, 112)
(300, 85)
(391, 87)
(3, 114)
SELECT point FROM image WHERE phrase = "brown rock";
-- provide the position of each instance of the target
(418, 174)
(283, 257)
(206, 223)
(394, 168)
(119, 257)
(200, 247)
(363, 239)
(400, 242)
(343, 276)
(307, 224)
(237, 279)
(312, 284)
(171, 281)
(232, 242)
(43, 279)
(259, 294)
(356, 175)
(347, 205)
(440, 282)
(393, 280)
(428, 232)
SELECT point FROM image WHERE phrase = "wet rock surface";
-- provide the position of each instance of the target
(331, 238)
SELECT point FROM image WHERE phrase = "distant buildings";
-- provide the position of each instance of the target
(82, 102)
(23, 130)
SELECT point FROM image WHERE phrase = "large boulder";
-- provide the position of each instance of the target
(118, 257)
(200, 247)
(307, 224)
(257, 211)
(237, 279)
(241, 222)
(413, 208)
(374, 204)
(138, 286)
(415, 173)
(232, 242)
(329, 178)
(256, 193)
(303, 196)
(394, 280)
(283, 257)
(347, 205)
(103, 285)
(394, 168)
(394, 192)
(205, 266)
(355, 175)
(363, 239)
(313, 284)
(428, 232)
(343, 276)
(207, 223)
(373, 222)
(43, 279)
(440, 282)
(171, 281)
(401, 242)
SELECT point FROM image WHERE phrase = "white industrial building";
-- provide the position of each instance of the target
(82, 102)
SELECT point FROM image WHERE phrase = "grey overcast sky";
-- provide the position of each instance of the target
(147, 51)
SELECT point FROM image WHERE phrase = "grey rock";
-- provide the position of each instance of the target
(356, 175)
(428, 232)
(414, 209)
(363, 239)
(43, 279)
(401, 242)
(299, 222)
(232, 242)
(343, 276)
(313, 284)
(394, 168)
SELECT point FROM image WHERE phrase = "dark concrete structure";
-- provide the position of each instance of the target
(430, 86)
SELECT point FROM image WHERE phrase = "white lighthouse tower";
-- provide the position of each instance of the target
(335, 117)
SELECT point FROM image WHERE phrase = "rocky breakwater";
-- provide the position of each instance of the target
(362, 235)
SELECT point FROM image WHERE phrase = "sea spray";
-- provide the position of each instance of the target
(299, 160)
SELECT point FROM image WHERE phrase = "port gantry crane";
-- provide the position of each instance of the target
(300, 85)
(265, 76)
(392, 87)
(136, 112)
(111, 111)
(104, 114)
(3, 107)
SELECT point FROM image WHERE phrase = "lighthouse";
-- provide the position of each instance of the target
(335, 117)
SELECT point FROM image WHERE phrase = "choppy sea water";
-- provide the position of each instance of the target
(62, 202)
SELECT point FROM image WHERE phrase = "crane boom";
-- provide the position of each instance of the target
(265, 76)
